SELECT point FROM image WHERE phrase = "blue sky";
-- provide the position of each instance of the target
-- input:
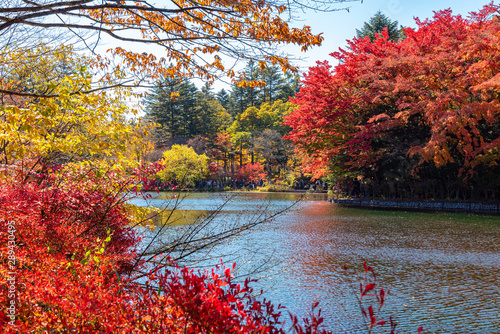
(339, 26)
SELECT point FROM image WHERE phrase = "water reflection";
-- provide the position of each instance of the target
(442, 269)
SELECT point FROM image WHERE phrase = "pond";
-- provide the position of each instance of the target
(442, 269)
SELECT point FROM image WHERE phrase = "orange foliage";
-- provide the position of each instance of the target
(183, 29)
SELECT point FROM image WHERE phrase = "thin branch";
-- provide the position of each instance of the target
(35, 95)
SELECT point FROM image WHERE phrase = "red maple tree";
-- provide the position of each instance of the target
(431, 97)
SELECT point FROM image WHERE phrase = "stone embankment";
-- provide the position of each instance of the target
(469, 207)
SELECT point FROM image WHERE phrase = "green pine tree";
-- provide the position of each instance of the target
(375, 26)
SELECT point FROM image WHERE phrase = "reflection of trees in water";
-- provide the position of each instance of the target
(441, 268)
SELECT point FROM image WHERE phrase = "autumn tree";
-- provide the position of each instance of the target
(253, 121)
(251, 172)
(267, 116)
(275, 150)
(183, 165)
(400, 112)
(192, 36)
(64, 136)
(64, 127)
(223, 151)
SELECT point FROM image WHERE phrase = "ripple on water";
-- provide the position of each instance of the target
(442, 269)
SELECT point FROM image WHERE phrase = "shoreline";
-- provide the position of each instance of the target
(424, 206)
(202, 190)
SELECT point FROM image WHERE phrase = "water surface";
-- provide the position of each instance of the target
(442, 269)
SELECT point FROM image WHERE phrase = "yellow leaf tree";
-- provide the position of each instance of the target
(183, 165)
(66, 125)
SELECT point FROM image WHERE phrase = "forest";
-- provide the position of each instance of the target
(407, 114)
(73, 250)
(240, 132)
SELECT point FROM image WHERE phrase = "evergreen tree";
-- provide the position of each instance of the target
(278, 86)
(237, 102)
(172, 104)
(290, 87)
(162, 108)
(211, 117)
(223, 98)
(183, 110)
(275, 83)
(251, 93)
(375, 26)
(242, 98)
(188, 113)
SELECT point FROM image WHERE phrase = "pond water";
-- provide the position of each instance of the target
(443, 270)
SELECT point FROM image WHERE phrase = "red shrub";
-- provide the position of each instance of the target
(65, 247)
(251, 172)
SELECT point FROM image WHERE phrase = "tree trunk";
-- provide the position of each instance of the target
(241, 155)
